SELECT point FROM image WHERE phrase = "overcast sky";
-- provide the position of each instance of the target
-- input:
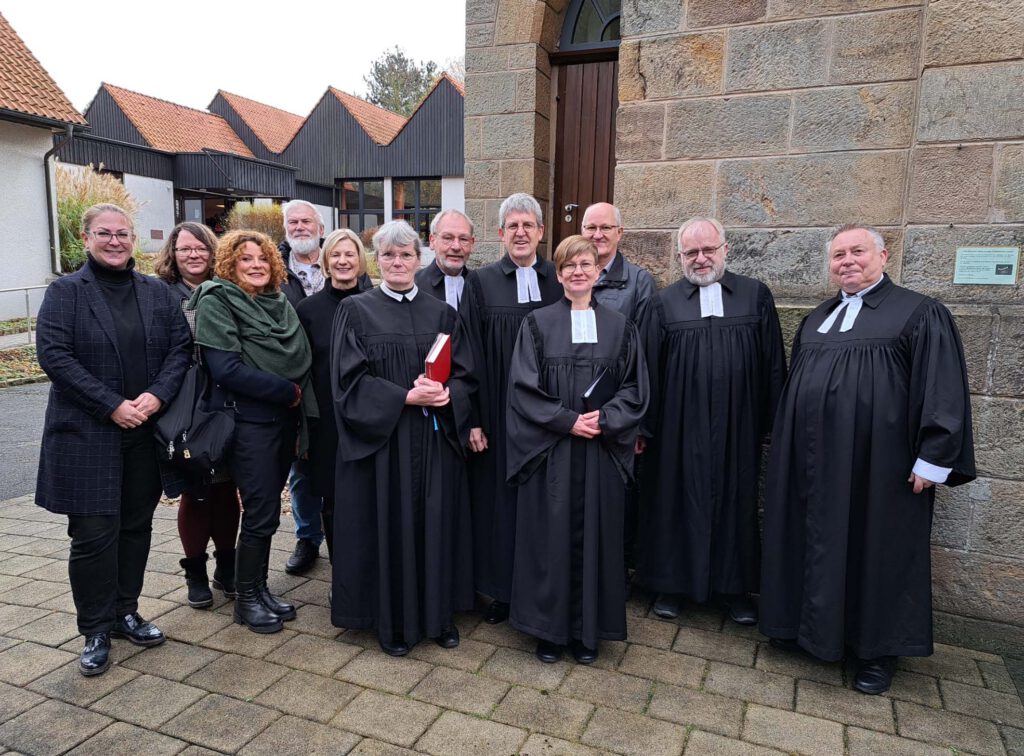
(184, 51)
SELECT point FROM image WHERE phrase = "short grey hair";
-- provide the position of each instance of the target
(520, 202)
(396, 233)
(444, 214)
(618, 213)
(693, 222)
(872, 232)
(290, 205)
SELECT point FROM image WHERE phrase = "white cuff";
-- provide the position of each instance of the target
(931, 472)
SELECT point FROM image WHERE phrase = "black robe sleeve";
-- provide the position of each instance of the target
(649, 326)
(462, 383)
(621, 416)
(773, 360)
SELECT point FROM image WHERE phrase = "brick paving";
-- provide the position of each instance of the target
(699, 685)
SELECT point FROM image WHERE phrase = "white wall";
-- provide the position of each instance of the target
(24, 239)
(328, 215)
(155, 198)
(453, 193)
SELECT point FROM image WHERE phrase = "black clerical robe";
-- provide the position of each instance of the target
(498, 316)
(403, 559)
(847, 553)
(715, 384)
(569, 576)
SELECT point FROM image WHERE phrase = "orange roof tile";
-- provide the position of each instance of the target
(272, 126)
(25, 87)
(380, 125)
(176, 128)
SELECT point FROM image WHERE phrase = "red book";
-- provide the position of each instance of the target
(438, 365)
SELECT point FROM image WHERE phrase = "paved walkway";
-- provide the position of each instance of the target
(699, 685)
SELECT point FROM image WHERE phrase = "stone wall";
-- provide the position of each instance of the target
(784, 118)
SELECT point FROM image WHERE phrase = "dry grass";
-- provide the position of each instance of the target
(78, 189)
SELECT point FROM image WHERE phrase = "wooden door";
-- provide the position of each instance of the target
(588, 97)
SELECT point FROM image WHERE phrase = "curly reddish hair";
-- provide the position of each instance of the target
(229, 249)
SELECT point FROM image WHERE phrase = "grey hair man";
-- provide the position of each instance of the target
(621, 285)
(303, 233)
(717, 365)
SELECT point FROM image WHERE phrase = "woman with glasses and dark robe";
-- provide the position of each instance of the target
(577, 392)
(402, 551)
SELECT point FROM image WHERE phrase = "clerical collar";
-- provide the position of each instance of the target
(453, 287)
(584, 326)
(850, 306)
(711, 301)
(400, 296)
(527, 288)
(862, 292)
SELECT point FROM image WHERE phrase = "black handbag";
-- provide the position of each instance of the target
(192, 436)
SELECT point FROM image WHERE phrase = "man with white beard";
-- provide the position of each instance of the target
(303, 230)
(715, 356)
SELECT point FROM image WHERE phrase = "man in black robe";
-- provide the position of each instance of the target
(502, 293)
(717, 365)
(875, 413)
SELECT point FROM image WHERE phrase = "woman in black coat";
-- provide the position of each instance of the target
(116, 348)
(344, 260)
(208, 509)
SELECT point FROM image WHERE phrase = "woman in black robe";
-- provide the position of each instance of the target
(572, 462)
(403, 563)
(344, 261)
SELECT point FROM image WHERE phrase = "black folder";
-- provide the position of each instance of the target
(600, 391)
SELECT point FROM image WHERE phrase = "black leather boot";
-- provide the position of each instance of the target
(199, 594)
(224, 572)
(282, 609)
(249, 608)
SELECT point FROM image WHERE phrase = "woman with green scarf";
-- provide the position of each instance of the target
(259, 358)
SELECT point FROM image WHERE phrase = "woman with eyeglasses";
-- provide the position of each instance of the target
(116, 348)
(577, 392)
(207, 509)
(402, 551)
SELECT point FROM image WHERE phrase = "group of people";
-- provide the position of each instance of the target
(585, 423)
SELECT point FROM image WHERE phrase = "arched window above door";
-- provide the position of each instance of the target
(591, 25)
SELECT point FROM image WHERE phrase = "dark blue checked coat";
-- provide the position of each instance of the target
(80, 460)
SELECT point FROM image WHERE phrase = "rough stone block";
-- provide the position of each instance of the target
(909, 686)
(777, 56)
(1001, 708)
(517, 21)
(479, 35)
(663, 195)
(67, 684)
(750, 685)
(25, 662)
(950, 184)
(237, 676)
(715, 13)
(1008, 371)
(508, 136)
(978, 585)
(238, 639)
(788, 8)
(533, 92)
(929, 258)
(375, 669)
(640, 132)
(663, 666)
(317, 655)
(812, 190)
(728, 127)
(481, 60)
(868, 743)
(308, 696)
(291, 736)
(973, 31)
(680, 66)
(50, 729)
(220, 723)
(12, 616)
(875, 47)
(551, 714)
(14, 700)
(976, 333)
(189, 626)
(652, 250)
(472, 143)
(791, 262)
(1008, 205)
(452, 689)
(842, 705)
(997, 677)
(490, 93)
(607, 688)
(792, 732)
(391, 718)
(846, 118)
(122, 739)
(631, 734)
(52, 630)
(519, 176)
(969, 103)
(531, 56)
(946, 665)
(148, 701)
(948, 729)
(641, 17)
(997, 526)
(692, 707)
(997, 427)
(458, 733)
(480, 11)
(954, 507)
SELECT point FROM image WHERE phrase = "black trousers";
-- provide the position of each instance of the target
(260, 461)
(108, 552)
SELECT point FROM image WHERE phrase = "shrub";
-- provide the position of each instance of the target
(77, 191)
(264, 218)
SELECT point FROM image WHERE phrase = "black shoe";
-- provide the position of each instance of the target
(582, 654)
(199, 594)
(249, 608)
(874, 676)
(137, 630)
(448, 638)
(95, 657)
(282, 609)
(549, 652)
(224, 572)
(785, 644)
(303, 558)
(395, 647)
(666, 606)
(496, 613)
(742, 609)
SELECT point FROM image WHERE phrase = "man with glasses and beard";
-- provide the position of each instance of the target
(716, 362)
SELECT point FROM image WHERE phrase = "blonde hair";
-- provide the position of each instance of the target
(105, 207)
(572, 247)
(335, 238)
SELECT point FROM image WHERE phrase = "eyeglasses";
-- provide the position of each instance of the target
(586, 267)
(106, 236)
(201, 251)
(590, 229)
(691, 254)
(449, 239)
(390, 257)
(528, 227)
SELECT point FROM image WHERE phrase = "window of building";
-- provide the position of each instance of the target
(416, 201)
(591, 25)
(361, 204)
